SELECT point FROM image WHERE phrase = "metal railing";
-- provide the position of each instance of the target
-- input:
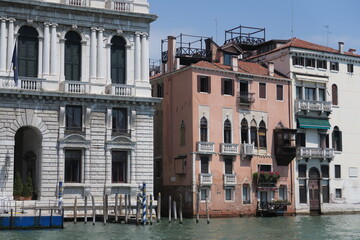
(206, 179)
(206, 147)
(308, 105)
(230, 148)
(230, 179)
(305, 152)
(245, 98)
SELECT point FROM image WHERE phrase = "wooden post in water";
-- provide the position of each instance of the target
(126, 208)
(180, 209)
(138, 209)
(207, 209)
(129, 198)
(197, 206)
(159, 207)
(120, 204)
(147, 209)
(151, 209)
(104, 210)
(175, 211)
(85, 210)
(170, 209)
(75, 210)
(107, 207)
(116, 207)
(93, 209)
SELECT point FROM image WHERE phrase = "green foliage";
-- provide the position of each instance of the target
(28, 187)
(18, 186)
(266, 177)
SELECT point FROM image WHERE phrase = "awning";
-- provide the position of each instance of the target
(313, 123)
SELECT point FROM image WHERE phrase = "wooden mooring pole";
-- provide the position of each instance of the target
(207, 210)
(104, 210)
(175, 211)
(126, 208)
(116, 207)
(138, 209)
(180, 209)
(75, 210)
(159, 207)
(93, 209)
(169, 209)
(151, 209)
(197, 206)
(85, 210)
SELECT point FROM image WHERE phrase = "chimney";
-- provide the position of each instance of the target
(171, 62)
(341, 47)
(271, 69)
(235, 63)
(352, 50)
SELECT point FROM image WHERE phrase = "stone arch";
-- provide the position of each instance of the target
(29, 119)
(83, 36)
(119, 34)
(36, 26)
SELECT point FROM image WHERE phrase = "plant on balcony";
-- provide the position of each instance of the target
(266, 178)
(18, 186)
(280, 202)
(28, 188)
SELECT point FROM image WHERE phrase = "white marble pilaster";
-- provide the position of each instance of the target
(53, 52)
(62, 58)
(144, 58)
(2, 44)
(83, 59)
(100, 55)
(40, 52)
(11, 43)
(46, 51)
(108, 63)
(108, 166)
(87, 166)
(93, 53)
(137, 57)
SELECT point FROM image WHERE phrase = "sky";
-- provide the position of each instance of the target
(282, 19)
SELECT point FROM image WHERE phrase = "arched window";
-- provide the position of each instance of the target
(334, 91)
(262, 134)
(203, 130)
(28, 52)
(118, 60)
(72, 56)
(337, 139)
(253, 133)
(244, 131)
(227, 131)
(182, 133)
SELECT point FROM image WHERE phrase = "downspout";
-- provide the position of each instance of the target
(291, 126)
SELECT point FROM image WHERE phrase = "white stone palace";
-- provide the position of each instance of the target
(82, 111)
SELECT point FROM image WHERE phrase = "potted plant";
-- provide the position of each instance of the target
(28, 188)
(18, 186)
(267, 178)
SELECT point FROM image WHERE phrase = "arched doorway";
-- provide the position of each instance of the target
(314, 190)
(27, 156)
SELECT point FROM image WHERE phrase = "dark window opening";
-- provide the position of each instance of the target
(279, 92)
(322, 64)
(119, 167)
(73, 166)
(204, 164)
(334, 91)
(227, 86)
(262, 90)
(28, 52)
(244, 131)
(310, 62)
(118, 60)
(262, 134)
(73, 118)
(337, 171)
(228, 165)
(301, 139)
(227, 131)
(204, 84)
(350, 68)
(302, 170)
(325, 171)
(72, 56)
(299, 61)
(337, 139)
(119, 121)
(334, 66)
(264, 168)
(203, 130)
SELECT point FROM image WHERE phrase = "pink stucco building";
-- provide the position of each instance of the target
(222, 132)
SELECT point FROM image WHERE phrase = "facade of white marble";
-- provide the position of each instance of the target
(37, 106)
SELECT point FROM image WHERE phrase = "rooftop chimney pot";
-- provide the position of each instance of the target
(271, 69)
(235, 63)
(341, 47)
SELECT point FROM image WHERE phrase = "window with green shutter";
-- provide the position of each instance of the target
(72, 56)
(118, 60)
(28, 52)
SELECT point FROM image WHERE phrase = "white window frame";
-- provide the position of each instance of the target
(248, 193)
(208, 189)
(232, 189)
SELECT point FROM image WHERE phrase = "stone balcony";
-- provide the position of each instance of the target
(248, 149)
(309, 153)
(230, 179)
(229, 149)
(315, 106)
(33, 84)
(206, 179)
(120, 90)
(206, 147)
(74, 87)
(120, 5)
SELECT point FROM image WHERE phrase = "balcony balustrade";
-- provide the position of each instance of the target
(206, 147)
(230, 179)
(119, 5)
(23, 84)
(229, 149)
(77, 2)
(74, 87)
(304, 152)
(206, 179)
(248, 149)
(318, 106)
(245, 98)
(120, 90)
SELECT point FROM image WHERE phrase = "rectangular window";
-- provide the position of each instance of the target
(310, 94)
(204, 164)
(302, 191)
(229, 194)
(262, 90)
(204, 84)
(322, 95)
(322, 64)
(282, 193)
(353, 172)
(227, 59)
(160, 90)
(227, 86)
(158, 168)
(279, 92)
(265, 168)
(302, 170)
(204, 194)
(325, 191)
(228, 165)
(119, 121)
(310, 62)
(337, 171)
(119, 166)
(334, 66)
(350, 68)
(301, 139)
(338, 193)
(246, 194)
(73, 166)
(325, 171)
(299, 93)
(298, 61)
(73, 119)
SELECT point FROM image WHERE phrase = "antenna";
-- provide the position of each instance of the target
(327, 34)
(292, 18)
(216, 29)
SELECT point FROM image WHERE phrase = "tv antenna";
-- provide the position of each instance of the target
(327, 34)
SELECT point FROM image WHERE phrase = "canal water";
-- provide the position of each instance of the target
(339, 227)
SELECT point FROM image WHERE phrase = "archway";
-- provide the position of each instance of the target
(27, 156)
(314, 190)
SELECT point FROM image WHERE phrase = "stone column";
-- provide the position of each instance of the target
(137, 57)
(61, 164)
(93, 53)
(11, 43)
(101, 65)
(108, 166)
(40, 53)
(62, 58)
(87, 166)
(144, 58)
(2, 44)
(53, 52)
(46, 51)
(108, 63)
